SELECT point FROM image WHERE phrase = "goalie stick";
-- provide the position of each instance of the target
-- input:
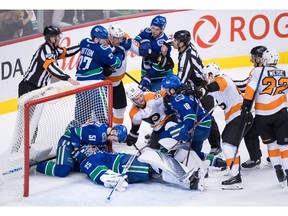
(125, 170)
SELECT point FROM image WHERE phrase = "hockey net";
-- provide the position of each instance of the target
(42, 118)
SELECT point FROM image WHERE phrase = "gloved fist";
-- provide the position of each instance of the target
(126, 43)
(185, 89)
(145, 84)
(246, 116)
(184, 134)
(107, 70)
(145, 48)
(200, 92)
(132, 139)
(120, 52)
(165, 62)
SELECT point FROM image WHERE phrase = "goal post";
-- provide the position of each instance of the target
(42, 118)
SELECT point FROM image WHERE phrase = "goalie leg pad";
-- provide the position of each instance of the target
(39, 152)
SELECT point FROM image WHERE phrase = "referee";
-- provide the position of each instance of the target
(44, 63)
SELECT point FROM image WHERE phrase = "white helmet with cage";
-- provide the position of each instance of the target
(116, 30)
(212, 68)
(270, 57)
(132, 92)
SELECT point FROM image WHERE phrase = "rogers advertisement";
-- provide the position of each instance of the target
(218, 34)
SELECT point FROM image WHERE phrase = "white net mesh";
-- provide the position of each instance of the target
(47, 124)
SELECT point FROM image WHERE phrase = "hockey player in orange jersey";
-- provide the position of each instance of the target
(267, 89)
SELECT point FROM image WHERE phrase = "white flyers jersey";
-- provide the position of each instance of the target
(269, 92)
(229, 95)
(153, 113)
(119, 74)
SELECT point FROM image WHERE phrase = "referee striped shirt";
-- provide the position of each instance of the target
(190, 66)
(44, 64)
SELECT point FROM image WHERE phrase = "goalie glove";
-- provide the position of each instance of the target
(81, 154)
(132, 139)
(111, 179)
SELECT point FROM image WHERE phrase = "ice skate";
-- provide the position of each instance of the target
(215, 151)
(233, 183)
(197, 180)
(251, 164)
(280, 175)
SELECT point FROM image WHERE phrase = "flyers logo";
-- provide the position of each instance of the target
(201, 24)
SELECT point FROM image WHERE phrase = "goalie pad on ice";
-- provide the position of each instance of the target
(39, 151)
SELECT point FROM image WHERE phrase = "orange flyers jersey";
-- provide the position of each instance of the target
(229, 95)
(116, 77)
(153, 113)
(270, 96)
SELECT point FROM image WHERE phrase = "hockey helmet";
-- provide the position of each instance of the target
(212, 68)
(183, 36)
(258, 51)
(116, 30)
(270, 57)
(171, 81)
(99, 32)
(121, 132)
(159, 21)
(132, 92)
(51, 31)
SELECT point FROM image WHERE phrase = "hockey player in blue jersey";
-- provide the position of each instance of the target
(188, 111)
(105, 168)
(92, 133)
(95, 63)
(155, 66)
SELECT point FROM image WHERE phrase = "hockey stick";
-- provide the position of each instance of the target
(192, 133)
(245, 125)
(125, 170)
(132, 78)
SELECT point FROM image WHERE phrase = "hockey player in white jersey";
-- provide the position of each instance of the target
(230, 99)
(148, 107)
(267, 90)
(118, 38)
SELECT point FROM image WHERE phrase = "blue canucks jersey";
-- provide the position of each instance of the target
(93, 56)
(157, 72)
(185, 106)
(92, 133)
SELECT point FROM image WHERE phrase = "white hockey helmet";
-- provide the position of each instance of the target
(270, 57)
(132, 92)
(211, 68)
(116, 30)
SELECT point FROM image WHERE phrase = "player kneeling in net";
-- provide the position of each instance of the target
(106, 168)
(93, 133)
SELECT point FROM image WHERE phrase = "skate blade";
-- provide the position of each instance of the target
(282, 184)
(251, 168)
(232, 187)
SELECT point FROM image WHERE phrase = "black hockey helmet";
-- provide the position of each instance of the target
(183, 36)
(258, 51)
(51, 31)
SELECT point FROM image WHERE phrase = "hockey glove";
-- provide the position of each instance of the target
(184, 134)
(186, 90)
(120, 52)
(110, 179)
(132, 139)
(126, 43)
(165, 62)
(145, 48)
(246, 115)
(107, 70)
(145, 84)
(200, 92)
